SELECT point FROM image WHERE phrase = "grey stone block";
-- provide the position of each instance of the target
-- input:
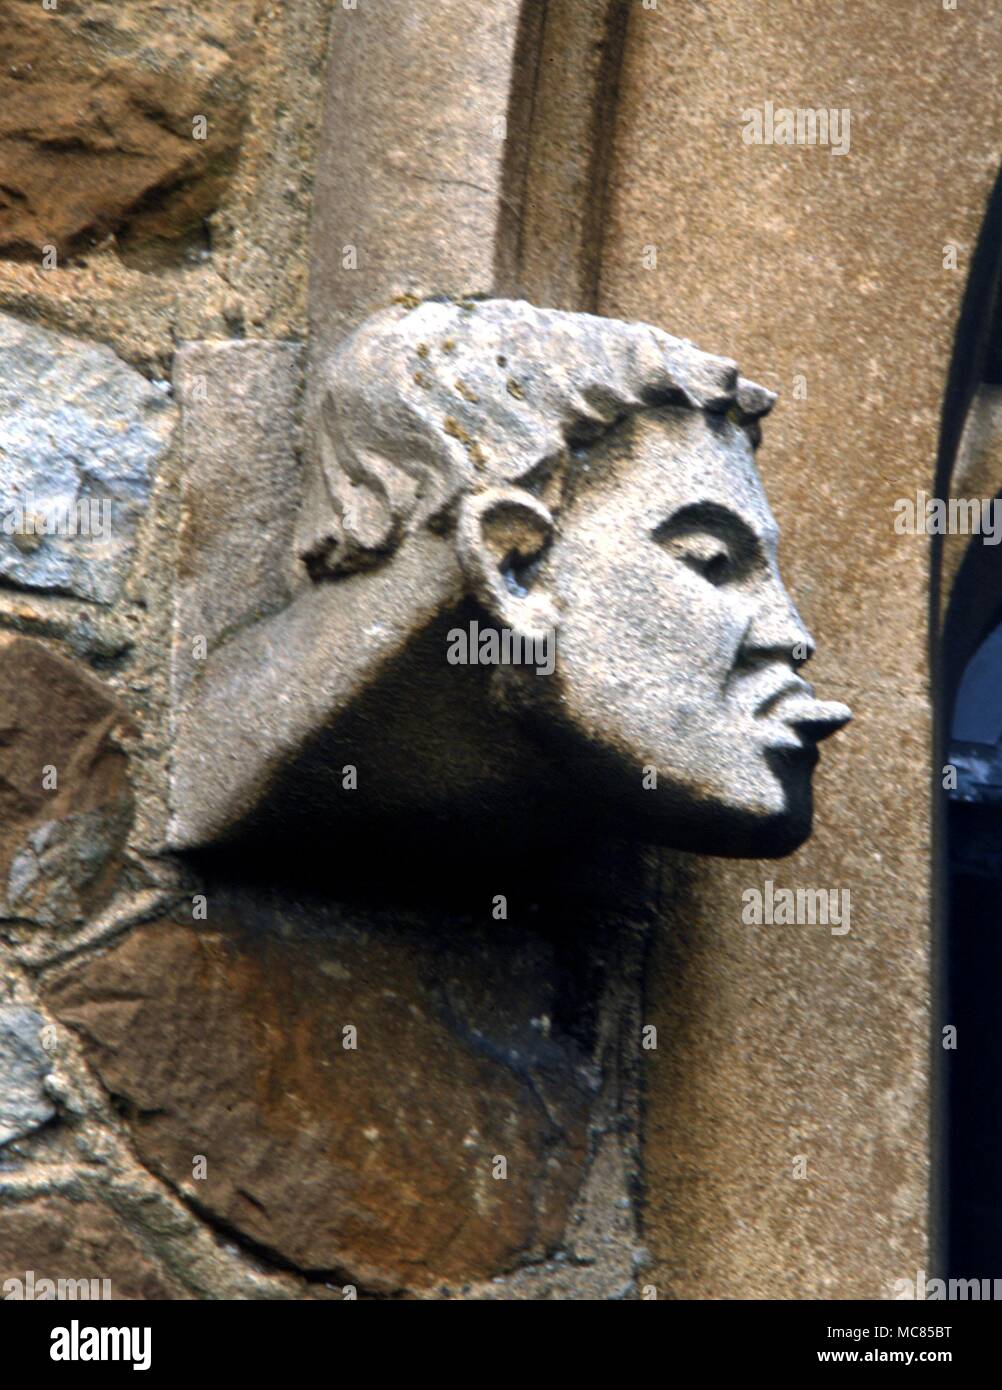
(239, 489)
(80, 436)
(24, 1106)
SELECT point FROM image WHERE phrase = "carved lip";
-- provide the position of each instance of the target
(794, 703)
(794, 687)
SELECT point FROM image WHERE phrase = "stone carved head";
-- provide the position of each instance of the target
(595, 483)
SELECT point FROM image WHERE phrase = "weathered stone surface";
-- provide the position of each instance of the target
(96, 120)
(776, 1041)
(24, 1065)
(596, 460)
(55, 1238)
(418, 191)
(825, 276)
(561, 132)
(240, 489)
(414, 203)
(80, 436)
(245, 273)
(226, 1040)
(60, 846)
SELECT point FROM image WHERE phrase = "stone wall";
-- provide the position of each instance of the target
(184, 1116)
(126, 227)
(829, 277)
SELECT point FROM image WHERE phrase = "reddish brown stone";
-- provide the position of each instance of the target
(56, 1238)
(96, 115)
(60, 847)
(376, 1163)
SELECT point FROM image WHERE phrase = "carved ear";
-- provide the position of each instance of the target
(499, 532)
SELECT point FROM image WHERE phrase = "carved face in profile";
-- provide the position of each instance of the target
(599, 483)
(678, 646)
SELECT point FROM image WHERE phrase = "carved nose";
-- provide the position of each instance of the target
(777, 630)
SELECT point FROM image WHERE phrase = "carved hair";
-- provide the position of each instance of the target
(424, 403)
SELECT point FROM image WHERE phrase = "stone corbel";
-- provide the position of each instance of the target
(462, 145)
(449, 158)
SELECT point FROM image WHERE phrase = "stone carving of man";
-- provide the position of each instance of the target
(543, 594)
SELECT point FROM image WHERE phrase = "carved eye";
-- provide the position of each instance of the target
(707, 554)
(711, 540)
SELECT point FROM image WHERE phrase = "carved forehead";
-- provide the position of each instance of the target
(661, 461)
(700, 457)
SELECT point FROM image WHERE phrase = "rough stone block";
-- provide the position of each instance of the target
(240, 489)
(24, 1065)
(65, 799)
(97, 111)
(80, 437)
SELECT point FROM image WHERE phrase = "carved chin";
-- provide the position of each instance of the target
(785, 833)
(773, 833)
(740, 834)
(767, 823)
(744, 835)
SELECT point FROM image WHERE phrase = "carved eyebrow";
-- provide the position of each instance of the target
(711, 516)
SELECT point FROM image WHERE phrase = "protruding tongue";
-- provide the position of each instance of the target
(817, 718)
